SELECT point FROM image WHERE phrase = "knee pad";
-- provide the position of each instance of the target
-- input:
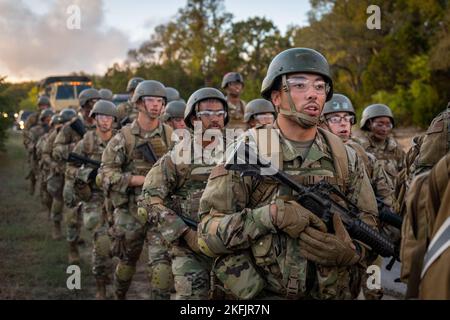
(124, 272)
(161, 276)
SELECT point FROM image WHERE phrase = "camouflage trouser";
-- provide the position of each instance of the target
(129, 235)
(191, 273)
(55, 184)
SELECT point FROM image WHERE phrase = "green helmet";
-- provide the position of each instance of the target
(56, 119)
(172, 94)
(106, 94)
(296, 60)
(200, 95)
(149, 88)
(133, 83)
(232, 77)
(43, 100)
(375, 111)
(88, 94)
(174, 109)
(104, 107)
(339, 103)
(46, 113)
(258, 106)
(67, 114)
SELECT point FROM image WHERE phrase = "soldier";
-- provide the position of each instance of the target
(127, 111)
(65, 141)
(426, 234)
(338, 116)
(233, 84)
(32, 120)
(377, 123)
(172, 190)
(55, 180)
(259, 112)
(174, 115)
(92, 209)
(251, 224)
(44, 170)
(125, 163)
(436, 142)
(106, 94)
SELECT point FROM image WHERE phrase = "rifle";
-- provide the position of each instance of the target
(385, 214)
(78, 127)
(125, 121)
(79, 159)
(316, 199)
(147, 151)
(189, 222)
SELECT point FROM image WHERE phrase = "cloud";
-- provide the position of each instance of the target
(33, 46)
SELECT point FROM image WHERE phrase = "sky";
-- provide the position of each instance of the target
(35, 41)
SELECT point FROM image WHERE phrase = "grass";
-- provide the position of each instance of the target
(33, 266)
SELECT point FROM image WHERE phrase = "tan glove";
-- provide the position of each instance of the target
(328, 249)
(191, 239)
(292, 218)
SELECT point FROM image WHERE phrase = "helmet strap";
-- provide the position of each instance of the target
(304, 120)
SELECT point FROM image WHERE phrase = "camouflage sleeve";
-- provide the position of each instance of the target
(360, 190)
(383, 184)
(114, 158)
(225, 222)
(71, 168)
(28, 140)
(160, 182)
(62, 145)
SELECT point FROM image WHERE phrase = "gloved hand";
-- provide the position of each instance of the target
(292, 218)
(328, 249)
(191, 239)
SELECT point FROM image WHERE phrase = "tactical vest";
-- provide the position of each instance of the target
(136, 163)
(186, 200)
(288, 273)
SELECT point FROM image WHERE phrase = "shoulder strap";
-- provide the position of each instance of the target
(340, 155)
(167, 132)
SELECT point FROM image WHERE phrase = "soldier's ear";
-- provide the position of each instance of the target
(275, 96)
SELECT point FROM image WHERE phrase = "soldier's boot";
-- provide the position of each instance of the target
(101, 289)
(122, 279)
(74, 255)
(56, 231)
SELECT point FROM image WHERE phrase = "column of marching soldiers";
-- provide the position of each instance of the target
(211, 233)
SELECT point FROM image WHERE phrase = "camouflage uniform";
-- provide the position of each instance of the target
(236, 114)
(31, 133)
(121, 159)
(65, 141)
(126, 109)
(389, 153)
(235, 226)
(55, 179)
(92, 209)
(180, 187)
(44, 170)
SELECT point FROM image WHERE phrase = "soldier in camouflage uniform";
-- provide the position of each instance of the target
(338, 116)
(377, 123)
(173, 188)
(33, 120)
(232, 84)
(55, 179)
(92, 208)
(44, 170)
(264, 243)
(174, 115)
(34, 134)
(127, 111)
(122, 175)
(259, 112)
(65, 141)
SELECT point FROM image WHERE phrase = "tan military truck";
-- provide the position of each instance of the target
(63, 91)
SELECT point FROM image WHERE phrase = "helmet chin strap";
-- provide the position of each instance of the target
(304, 120)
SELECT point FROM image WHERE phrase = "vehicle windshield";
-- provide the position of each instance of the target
(81, 87)
(65, 92)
